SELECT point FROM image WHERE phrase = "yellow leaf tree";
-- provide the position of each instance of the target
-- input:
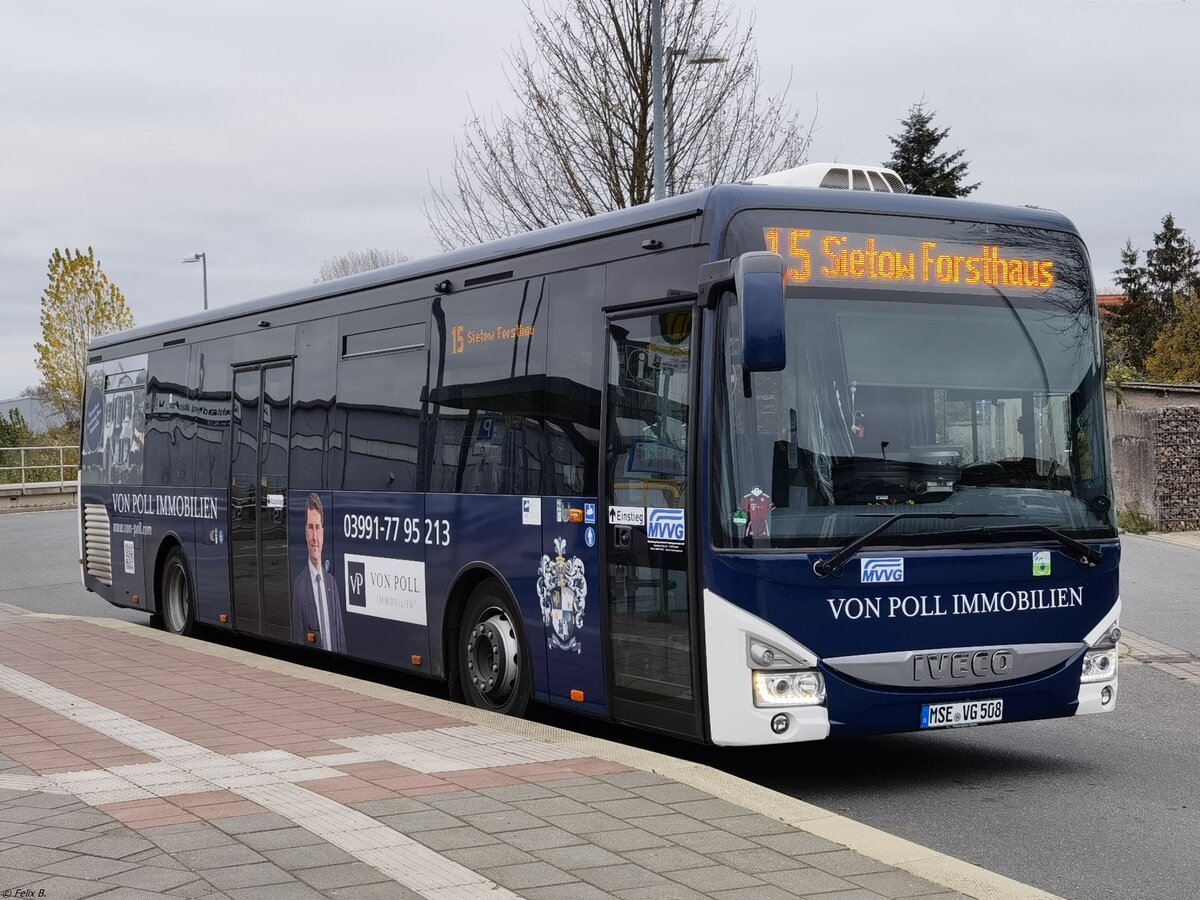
(1176, 353)
(79, 304)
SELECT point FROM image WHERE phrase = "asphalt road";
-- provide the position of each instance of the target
(1159, 596)
(39, 553)
(1098, 806)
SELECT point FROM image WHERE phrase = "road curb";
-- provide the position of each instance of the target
(923, 862)
(1189, 539)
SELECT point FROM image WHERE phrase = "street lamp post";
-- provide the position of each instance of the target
(203, 260)
(656, 89)
(698, 57)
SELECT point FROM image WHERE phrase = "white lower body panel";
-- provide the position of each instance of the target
(1090, 695)
(733, 718)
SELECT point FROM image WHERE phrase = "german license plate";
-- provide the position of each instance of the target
(968, 712)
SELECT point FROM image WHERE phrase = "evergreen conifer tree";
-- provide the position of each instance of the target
(1172, 268)
(915, 157)
(1136, 324)
(1155, 328)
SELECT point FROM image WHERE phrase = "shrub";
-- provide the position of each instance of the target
(1134, 522)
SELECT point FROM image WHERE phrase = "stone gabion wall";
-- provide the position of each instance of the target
(1177, 468)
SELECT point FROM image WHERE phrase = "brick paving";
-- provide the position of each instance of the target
(140, 767)
(1175, 662)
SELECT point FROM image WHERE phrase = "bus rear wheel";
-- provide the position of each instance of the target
(175, 598)
(493, 667)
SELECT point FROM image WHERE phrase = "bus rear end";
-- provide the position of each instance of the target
(909, 514)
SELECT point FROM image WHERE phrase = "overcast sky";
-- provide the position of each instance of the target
(275, 135)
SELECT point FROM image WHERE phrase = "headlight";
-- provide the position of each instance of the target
(805, 688)
(1099, 665)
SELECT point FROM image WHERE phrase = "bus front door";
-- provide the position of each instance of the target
(651, 613)
(258, 507)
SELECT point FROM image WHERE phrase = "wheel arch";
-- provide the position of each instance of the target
(171, 541)
(462, 585)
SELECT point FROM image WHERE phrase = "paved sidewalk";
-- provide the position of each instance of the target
(1181, 538)
(1174, 661)
(138, 764)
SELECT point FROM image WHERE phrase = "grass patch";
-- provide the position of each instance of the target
(1134, 522)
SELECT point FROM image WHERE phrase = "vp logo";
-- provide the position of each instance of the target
(890, 569)
(356, 584)
(665, 525)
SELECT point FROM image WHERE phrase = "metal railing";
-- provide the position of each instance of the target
(39, 466)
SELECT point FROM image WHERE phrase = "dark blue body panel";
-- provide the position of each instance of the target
(453, 533)
(446, 533)
(934, 606)
(449, 534)
(949, 598)
(150, 518)
(856, 708)
(579, 667)
(370, 637)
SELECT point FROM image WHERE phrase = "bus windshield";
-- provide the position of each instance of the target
(932, 367)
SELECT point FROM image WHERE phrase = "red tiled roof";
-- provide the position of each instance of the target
(1110, 304)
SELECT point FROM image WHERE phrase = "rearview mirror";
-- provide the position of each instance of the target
(758, 281)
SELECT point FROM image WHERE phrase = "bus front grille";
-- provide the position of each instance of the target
(97, 542)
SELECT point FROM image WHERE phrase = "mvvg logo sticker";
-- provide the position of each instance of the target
(665, 525)
(887, 569)
(356, 584)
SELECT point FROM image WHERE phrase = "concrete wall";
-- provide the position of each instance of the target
(1133, 443)
(15, 498)
(1156, 452)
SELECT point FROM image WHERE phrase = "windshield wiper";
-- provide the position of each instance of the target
(1080, 552)
(834, 564)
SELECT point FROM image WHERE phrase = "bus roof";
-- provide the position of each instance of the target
(717, 204)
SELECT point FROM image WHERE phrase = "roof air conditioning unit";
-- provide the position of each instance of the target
(840, 176)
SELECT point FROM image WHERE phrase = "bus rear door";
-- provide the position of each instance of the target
(258, 507)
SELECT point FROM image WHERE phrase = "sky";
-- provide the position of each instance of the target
(273, 136)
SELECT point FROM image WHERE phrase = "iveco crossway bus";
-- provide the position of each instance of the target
(752, 465)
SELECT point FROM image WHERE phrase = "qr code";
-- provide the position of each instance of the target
(129, 557)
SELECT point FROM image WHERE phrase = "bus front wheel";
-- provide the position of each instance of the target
(175, 597)
(493, 667)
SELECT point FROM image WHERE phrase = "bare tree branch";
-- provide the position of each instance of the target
(355, 261)
(579, 140)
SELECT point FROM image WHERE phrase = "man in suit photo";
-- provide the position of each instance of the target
(316, 609)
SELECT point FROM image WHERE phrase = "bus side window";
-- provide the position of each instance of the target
(316, 446)
(486, 401)
(573, 372)
(170, 421)
(381, 373)
(214, 406)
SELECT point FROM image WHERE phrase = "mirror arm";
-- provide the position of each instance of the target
(715, 279)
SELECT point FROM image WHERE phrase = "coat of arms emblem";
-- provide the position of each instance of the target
(562, 592)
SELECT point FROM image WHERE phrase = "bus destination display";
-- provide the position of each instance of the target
(895, 261)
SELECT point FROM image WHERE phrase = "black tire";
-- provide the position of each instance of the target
(493, 660)
(176, 600)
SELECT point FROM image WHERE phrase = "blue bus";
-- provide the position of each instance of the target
(753, 465)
